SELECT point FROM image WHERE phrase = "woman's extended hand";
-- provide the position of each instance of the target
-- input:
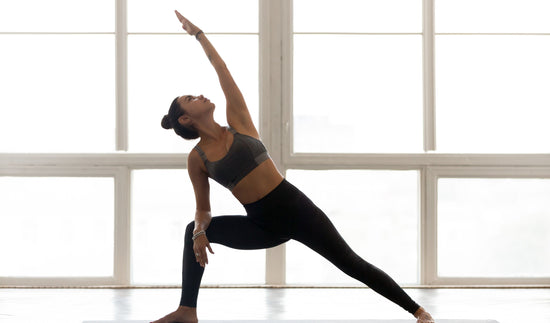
(187, 25)
(199, 247)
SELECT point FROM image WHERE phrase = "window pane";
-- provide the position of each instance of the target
(57, 16)
(358, 16)
(492, 16)
(184, 69)
(228, 16)
(375, 211)
(56, 226)
(506, 222)
(492, 94)
(163, 203)
(360, 94)
(57, 93)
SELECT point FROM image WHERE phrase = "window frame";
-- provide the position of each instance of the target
(121, 214)
(433, 174)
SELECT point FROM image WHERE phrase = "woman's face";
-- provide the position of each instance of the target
(195, 106)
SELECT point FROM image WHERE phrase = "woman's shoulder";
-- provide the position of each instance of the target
(244, 131)
(195, 160)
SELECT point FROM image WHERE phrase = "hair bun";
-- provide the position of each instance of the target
(166, 123)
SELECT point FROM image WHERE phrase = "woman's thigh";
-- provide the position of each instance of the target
(241, 232)
(313, 228)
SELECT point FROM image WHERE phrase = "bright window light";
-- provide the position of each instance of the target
(56, 226)
(492, 94)
(58, 93)
(361, 94)
(493, 227)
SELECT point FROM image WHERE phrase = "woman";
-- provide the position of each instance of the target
(276, 210)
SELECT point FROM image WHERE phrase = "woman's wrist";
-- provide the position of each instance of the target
(198, 234)
(199, 229)
(197, 35)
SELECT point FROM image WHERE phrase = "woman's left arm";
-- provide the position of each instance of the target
(238, 115)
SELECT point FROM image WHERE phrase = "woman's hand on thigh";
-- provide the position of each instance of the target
(200, 245)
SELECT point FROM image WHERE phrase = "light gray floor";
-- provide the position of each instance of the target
(77, 305)
(311, 321)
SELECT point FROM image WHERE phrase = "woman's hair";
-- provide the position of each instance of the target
(170, 121)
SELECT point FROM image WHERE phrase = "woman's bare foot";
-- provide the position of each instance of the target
(183, 314)
(423, 316)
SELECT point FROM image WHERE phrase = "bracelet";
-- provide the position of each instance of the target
(196, 235)
(197, 34)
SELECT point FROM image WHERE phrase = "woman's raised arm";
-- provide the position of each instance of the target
(238, 115)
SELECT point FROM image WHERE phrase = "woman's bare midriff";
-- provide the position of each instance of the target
(258, 183)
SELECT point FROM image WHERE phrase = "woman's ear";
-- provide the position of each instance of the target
(185, 121)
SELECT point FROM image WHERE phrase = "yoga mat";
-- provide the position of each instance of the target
(312, 321)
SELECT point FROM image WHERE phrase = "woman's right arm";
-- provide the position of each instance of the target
(199, 179)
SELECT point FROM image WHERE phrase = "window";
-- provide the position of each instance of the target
(348, 69)
(502, 212)
(428, 116)
(506, 222)
(56, 226)
(58, 76)
(492, 75)
(53, 16)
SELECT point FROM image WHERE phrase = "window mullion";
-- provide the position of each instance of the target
(122, 246)
(121, 39)
(275, 18)
(428, 40)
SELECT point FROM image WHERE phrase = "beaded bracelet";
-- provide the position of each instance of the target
(196, 235)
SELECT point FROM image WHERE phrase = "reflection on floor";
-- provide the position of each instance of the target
(77, 305)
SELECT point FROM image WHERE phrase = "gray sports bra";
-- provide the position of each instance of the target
(245, 154)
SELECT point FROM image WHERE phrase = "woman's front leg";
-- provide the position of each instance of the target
(192, 275)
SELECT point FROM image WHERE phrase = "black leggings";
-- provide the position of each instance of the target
(284, 214)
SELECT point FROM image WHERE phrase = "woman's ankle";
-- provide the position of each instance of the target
(187, 309)
(419, 311)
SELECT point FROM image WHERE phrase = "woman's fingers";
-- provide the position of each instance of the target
(209, 248)
(186, 24)
(201, 256)
(180, 17)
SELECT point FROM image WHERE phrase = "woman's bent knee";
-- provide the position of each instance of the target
(189, 229)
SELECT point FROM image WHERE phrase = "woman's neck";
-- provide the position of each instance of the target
(210, 132)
